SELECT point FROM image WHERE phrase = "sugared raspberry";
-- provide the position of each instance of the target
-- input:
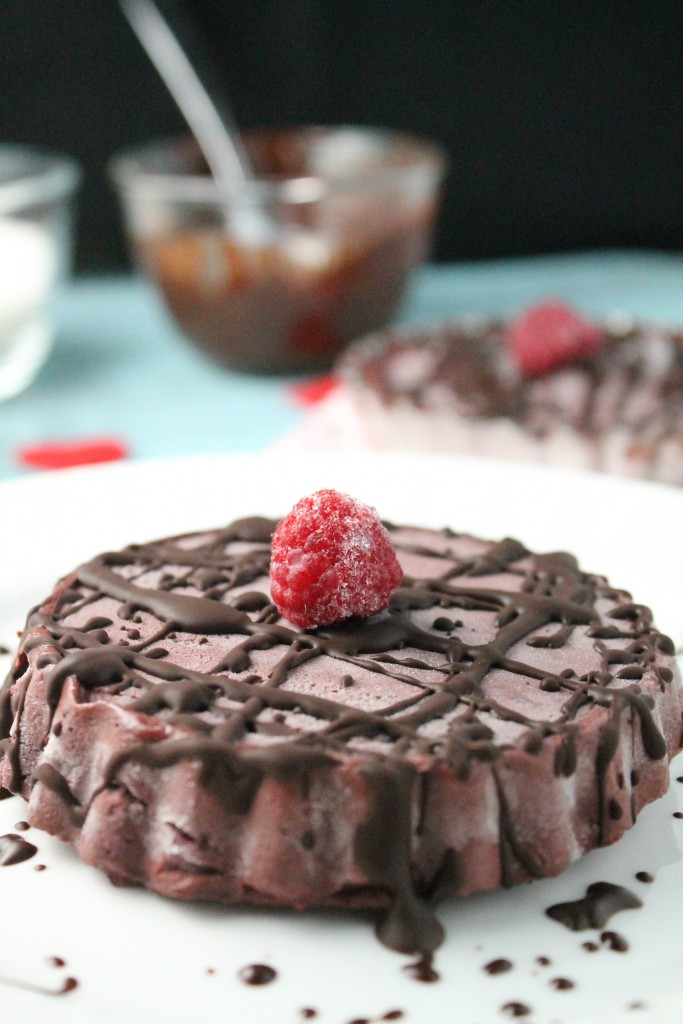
(550, 335)
(332, 559)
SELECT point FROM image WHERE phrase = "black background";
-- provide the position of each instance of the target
(563, 121)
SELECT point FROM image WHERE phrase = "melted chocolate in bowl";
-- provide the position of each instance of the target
(505, 714)
(268, 310)
(350, 214)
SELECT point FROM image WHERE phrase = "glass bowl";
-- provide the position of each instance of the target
(277, 273)
(36, 191)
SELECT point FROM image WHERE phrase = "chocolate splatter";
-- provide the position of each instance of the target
(602, 900)
(14, 850)
(562, 984)
(515, 1009)
(257, 974)
(645, 877)
(614, 941)
(422, 969)
(499, 966)
(68, 985)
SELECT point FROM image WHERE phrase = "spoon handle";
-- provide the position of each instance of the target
(176, 52)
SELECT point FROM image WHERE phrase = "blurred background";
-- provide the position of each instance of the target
(562, 120)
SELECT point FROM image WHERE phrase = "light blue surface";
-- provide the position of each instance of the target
(120, 367)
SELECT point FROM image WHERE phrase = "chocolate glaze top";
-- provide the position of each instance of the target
(183, 631)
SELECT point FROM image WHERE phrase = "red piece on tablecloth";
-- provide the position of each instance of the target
(63, 454)
(310, 392)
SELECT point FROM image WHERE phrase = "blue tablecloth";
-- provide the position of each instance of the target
(120, 367)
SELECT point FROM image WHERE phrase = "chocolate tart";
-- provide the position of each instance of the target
(456, 388)
(506, 713)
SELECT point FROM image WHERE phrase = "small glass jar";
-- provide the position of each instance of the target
(276, 273)
(36, 192)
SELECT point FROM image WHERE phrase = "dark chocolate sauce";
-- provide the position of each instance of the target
(678, 814)
(257, 974)
(614, 941)
(602, 900)
(393, 1015)
(515, 1009)
(644, 876)
(56, 961)
(39, 867)
(422, 969)
(14, 849)
(590, 947)
(197, 598)
(21, 826)
(4, 649)
(308, 1013)
(498, 966)
(543, 961)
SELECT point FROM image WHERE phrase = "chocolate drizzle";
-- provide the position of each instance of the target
(395, 695)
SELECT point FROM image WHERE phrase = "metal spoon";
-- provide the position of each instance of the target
(178, 55)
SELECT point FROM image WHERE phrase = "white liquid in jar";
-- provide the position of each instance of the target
(29, 265)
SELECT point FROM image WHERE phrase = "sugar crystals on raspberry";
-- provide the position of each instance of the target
(332, 559)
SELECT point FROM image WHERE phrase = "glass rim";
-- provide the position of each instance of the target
(30, 175)
(133, 171)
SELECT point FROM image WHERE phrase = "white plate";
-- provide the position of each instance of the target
(139, 958)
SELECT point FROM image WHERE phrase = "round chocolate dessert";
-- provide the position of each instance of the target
(506, 713)
(463, 387)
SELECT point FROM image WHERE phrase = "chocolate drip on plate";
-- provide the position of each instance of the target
(257, 974)
(15, 849)
(602, 900)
